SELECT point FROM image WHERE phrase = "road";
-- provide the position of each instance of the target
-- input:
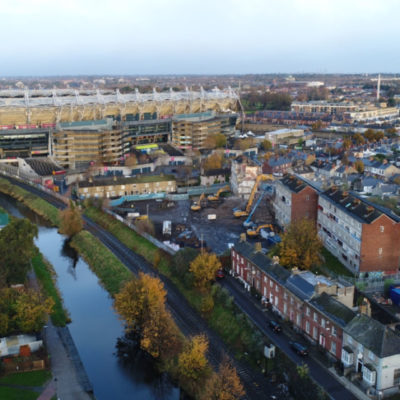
(191, 323)
(250, 306)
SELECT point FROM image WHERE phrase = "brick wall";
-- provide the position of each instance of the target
(380, 245)
(304, 204)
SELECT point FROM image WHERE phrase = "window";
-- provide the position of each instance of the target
(322, 322)
(347, 358)
(285, 295)
(315, 332)
(380, 251)
(271, 284)
(307, 311)
(396, 376)
(307, 327)
(382, 228)
(291, 300)
(371, 355)
(265, 279)
(276, 288)
(368, 375)
(333, 347)
(284, 308)
(276, 301)
(307, 198)
(334, 333)
(315, 317)
(298, 319)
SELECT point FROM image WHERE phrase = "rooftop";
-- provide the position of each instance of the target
(381, 340)
(43, 166)
(295, 185)
(122, 181)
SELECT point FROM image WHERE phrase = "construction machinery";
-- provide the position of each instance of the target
(215, 197)
(256, 231)
(248, 221)
(244, 213)
(197, 206)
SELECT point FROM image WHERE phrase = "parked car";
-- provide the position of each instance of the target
(299, 348)
(220, 274)
(275, 326)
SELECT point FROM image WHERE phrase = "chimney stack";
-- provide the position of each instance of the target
(257, 247)
(242, 237)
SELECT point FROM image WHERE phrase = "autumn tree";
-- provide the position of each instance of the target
(359, 166)
(141, 304)
(346, 144)
(16, 250)
(266, 145)
(145, 226)
(214, 161)
(193, 367)
(131, 160)
(204, 267)
(31, 310)
(71, 221)
(358, 139)
(316, 126)
(244, 144)
(300, 245)
(224, 384)
(215, 141)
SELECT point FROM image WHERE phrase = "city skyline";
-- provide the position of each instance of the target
(178, 37)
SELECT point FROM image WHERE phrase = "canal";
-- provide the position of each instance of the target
(95, 327)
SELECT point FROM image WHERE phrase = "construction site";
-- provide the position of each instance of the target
(209, 221)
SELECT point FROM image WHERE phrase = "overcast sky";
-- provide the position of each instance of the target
(55, 37)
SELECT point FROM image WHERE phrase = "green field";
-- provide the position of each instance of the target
(30, 378)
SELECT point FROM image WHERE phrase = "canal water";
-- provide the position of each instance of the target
(95, 327)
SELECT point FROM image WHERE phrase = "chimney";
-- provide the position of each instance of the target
(275, 260)
(242, 237)
(257, 247)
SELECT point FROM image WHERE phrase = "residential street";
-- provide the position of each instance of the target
(251, 307)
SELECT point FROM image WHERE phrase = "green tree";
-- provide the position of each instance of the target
(71, 221)
(182, 259)
(266, 145)
(16, 249)
(300, 245)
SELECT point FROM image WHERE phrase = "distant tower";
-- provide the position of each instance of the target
(378, 88)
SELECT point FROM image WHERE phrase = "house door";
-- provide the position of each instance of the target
(359, 365)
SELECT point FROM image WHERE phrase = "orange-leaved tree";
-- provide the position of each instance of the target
(300, 245)
(204, 267)
(71, 221)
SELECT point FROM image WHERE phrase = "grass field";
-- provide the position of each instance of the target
(8, 393)
(30, 378)
(45, 274)
(333, 264)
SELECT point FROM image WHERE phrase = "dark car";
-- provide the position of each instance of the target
(275, 326)
(299, 348)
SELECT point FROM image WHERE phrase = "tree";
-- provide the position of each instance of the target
(215, 141)
(266, 145)
(141, 304)
(31, 310)
(192, 362)
(145, 226)
(220, 140)
(225, 384)
(71, 221)
(244, 144)
(358, 138)
(391, 132)
(131, 160)
(300, 245)
(316, 126)
(182, 259)
(204, 267)
(214, 161)
(16, 249)
(369, 134)
(359, 166)
(346, 144)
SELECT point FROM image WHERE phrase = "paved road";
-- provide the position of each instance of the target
(250, 306)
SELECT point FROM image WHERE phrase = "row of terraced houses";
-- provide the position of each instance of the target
(363, 236)
(322, 309)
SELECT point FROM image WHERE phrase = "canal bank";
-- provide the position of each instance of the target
(95, 327)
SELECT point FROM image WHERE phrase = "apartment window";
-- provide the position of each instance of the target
(382, 228)
(291, 300)
(380, 251)
(271, 284)
(368, 375)
(276, 301)
(307, 327)
(315, 317)
(284, 308)
(284, 295)
(334, 332)
(276, 288)
(307, 311)
(333, 347)
(396, 376)
(298, 319)
(323, 322)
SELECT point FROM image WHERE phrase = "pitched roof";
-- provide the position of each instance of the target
(262, 261)
(294, 184)
(376, 337)
(333, 309)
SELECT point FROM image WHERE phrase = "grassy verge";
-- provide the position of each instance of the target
(45, 274)
(8, 393)
(30, 378)
(35, 203)
(333, 264)
(111, 272)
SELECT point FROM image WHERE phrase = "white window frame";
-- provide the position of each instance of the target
(368, 376)
(347, 358)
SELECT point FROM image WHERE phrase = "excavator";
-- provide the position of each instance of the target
(244, 213)
(197, 206)
(216, 196)
(256, 231)
(248, 221)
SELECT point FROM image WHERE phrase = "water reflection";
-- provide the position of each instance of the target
(95, 326)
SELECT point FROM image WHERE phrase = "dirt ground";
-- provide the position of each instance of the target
(216, 234)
